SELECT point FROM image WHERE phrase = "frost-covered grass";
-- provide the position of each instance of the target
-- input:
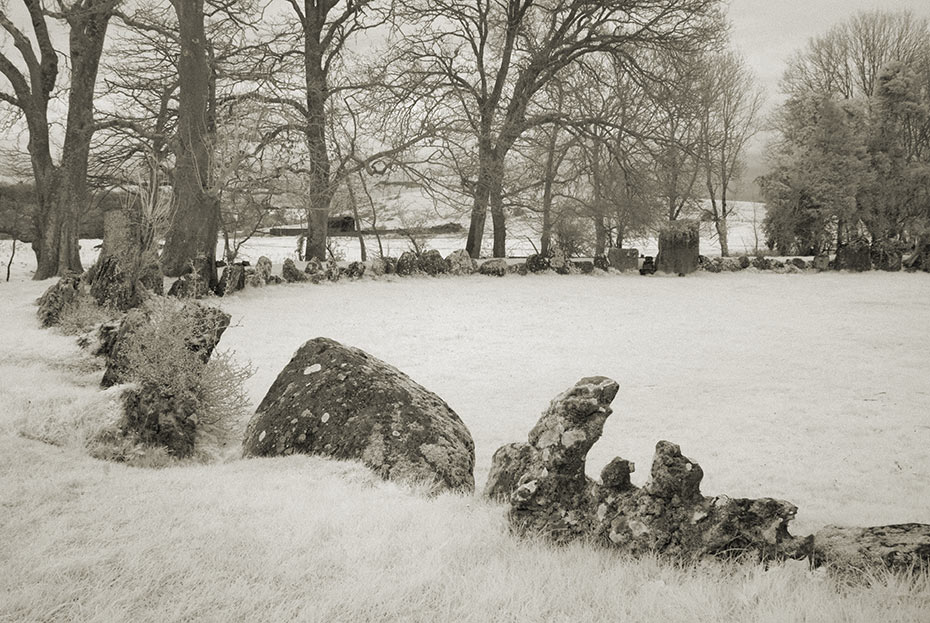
(808, 387)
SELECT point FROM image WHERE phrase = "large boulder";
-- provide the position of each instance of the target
(263, 270)
(537, 263)
(291, 274)
(162, 418)
(341, 402)
(355, 270)
(431, 263)
(57, 298)
(495, 268)
(407, 264)
(460, 263)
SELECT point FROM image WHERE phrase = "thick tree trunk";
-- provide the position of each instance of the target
(62, 189)
(316, 89)
(195, 226)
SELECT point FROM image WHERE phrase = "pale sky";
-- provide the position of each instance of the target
(768, 31)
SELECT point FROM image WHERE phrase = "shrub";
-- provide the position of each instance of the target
(182, 399)
(82, 315)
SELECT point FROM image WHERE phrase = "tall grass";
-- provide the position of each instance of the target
(302, 538)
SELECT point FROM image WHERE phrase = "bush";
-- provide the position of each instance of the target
(166, 360)
(82, 315)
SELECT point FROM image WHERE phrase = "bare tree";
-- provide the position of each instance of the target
(31, 80)
(493, 58)
(846, 60)
(730, 105)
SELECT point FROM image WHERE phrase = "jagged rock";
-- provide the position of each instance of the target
(162, 418)
(744, 262)
(341, 402)
(232, 280)
(263, 269)
(460, 263)
(553, 496)
(623, 259)
(508, 464)
(762, 263)
(313, 267)
(496, 267)
(731, 264)
(798, 263)
(601, 262)
(855, 256)
(669, 514)
(713, 265)
(290, 273)
(900, 547)
(355, 270)
(58, 297)
(559, 263)
(211, 321)
(821, 262)
(117, 288)
(190, 285)
(431, 263)
(333, 270)
(407, 264)
(537, 263)
(585, 267)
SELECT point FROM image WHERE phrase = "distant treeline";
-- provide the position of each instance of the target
(18, 205)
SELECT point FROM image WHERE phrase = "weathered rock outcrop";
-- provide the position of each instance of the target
(290, 273)
(544, 481)
(341, 402)
(460, 263)
(57, 297)
(431, 263)
(407, 264)
(898, 547)
(495, 267)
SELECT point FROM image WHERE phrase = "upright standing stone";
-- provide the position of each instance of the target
(679, 247)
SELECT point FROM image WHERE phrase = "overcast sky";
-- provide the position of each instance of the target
(768, 31)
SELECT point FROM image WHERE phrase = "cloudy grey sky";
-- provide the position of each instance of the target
(768, 31)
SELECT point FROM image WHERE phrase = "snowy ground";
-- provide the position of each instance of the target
(809, 387)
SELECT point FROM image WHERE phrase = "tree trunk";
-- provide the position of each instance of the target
(721, 225)
(316, 89)
(62, 190)
(498, 219)
(479, 211)
(600, 234)
(195, 226)
(546, 239)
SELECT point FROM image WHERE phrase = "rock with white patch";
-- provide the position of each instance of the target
(550, 491)
(350, 405)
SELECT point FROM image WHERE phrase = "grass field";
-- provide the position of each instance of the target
(809, 387)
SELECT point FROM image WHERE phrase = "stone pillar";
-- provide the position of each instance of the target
(679, 247)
